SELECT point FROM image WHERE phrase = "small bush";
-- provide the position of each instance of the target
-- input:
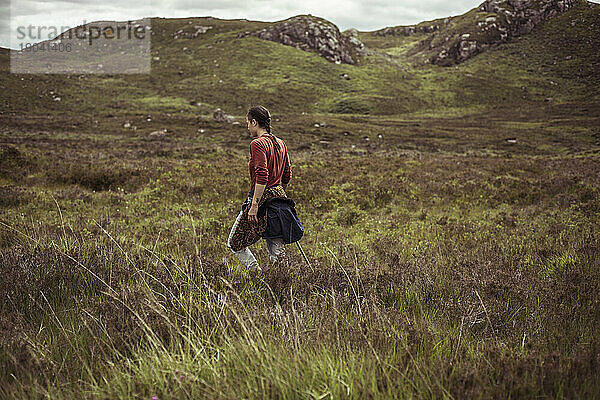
(351, 105)
(348, 215)
(99, 177)
(11, 196)
(14, 164)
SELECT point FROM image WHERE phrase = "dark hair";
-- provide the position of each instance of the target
(261, 115)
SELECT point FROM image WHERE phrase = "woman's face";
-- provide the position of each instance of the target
(252, 126)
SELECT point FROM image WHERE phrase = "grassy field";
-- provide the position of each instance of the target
(446, 261)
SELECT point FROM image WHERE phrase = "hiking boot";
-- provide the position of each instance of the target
(254, 267)
(282, 259)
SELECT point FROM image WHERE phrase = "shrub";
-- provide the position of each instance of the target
(14, 164)
(11, 196)
(351, 105)
(99, 177)
(348, 215)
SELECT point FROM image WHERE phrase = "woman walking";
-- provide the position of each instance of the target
(267, 211)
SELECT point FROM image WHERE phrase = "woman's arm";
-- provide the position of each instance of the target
(258, 192)
(259, 158)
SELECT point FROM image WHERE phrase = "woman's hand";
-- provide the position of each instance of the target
(252, 213)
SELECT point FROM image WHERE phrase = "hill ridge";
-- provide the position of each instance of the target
(557, 61)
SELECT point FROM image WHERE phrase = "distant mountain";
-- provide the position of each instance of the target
(513, 53)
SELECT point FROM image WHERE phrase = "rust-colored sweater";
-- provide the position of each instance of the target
(269, 162)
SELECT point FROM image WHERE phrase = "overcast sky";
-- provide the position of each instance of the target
(360, 14)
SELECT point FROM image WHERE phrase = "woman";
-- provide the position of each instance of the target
(270, 173)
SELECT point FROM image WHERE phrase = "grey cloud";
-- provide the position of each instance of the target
(24, 8)
(217, 5)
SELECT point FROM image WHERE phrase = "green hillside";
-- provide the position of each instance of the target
(558, 60)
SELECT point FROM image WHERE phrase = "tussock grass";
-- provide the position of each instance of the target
(435, 274)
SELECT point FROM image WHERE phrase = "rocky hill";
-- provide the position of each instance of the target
(308, 33)
(409, 30)
(454, 40)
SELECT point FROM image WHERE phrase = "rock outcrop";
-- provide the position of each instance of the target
(189, 33)
(521, 16)
(509, 19)
(310, 33)
(409, 30)
(220, 116)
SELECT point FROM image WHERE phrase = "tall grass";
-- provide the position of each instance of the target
(434, 274)
(116, 318)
